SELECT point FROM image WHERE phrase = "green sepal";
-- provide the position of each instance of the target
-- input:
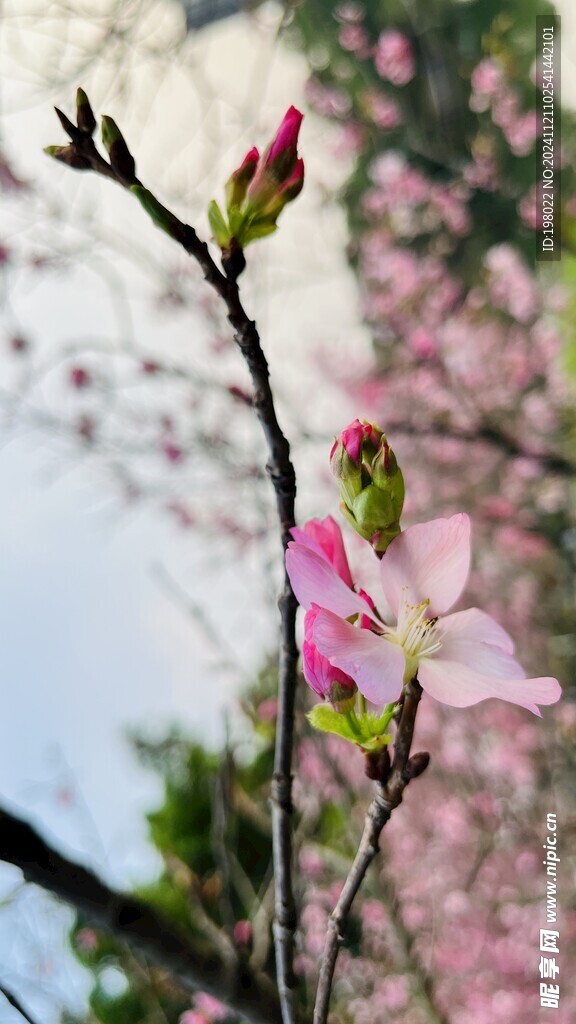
(325, 719)
(218, 226)
(237, 222)
(255, 230)
(366, 731)
(373, 510)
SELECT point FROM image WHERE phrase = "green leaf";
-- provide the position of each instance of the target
(366, 731)
(257, 231)
(324, 718)
(219, 227)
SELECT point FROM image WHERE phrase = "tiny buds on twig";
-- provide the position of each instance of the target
(84, 113)
(417, 764)
(71, 130)
(121, 159)
(69, 156)
(377, 766)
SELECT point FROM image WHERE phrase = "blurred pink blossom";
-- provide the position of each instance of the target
(394, 58)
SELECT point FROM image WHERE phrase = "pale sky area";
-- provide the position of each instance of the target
(90, 643)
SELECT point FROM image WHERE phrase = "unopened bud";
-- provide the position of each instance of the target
(237, 184)
(71, 129)
(121, 159)
(68, 155)
(370, 482)
(84, 113)
(417, 764)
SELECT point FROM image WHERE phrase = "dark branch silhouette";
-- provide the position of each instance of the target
(15, 1002)
(194, 962)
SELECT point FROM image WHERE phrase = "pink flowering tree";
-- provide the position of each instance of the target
(465, 380)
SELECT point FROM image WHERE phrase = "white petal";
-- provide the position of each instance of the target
(474, 626)
(428, 561)
(460, 686)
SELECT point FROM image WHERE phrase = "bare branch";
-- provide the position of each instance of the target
(388, 795)
(82, 154)
(196, 964)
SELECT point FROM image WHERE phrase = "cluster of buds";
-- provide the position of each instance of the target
(370, 482)
(81, 153)
(259, 189)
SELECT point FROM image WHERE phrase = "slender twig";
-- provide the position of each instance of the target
(83, 154)
(15, 1002)
(388, 795)
(190, 959)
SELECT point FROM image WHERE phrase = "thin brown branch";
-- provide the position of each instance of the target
(196, 964)
(388, 796)
(82, 154)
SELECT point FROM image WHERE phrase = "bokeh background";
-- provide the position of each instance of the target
(139, 542)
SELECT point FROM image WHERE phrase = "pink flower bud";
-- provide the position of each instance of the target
(328, 682)
(239, 180)
(370, 482)
(294, 184)
(282, 150)
(172, 451)
(79, 377)
(353, 438)
(277, 164)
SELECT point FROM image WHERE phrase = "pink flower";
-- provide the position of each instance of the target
(394, 58)
(460, 659)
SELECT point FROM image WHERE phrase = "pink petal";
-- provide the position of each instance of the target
(325, 537)
(314, 581)
(472, 627)
(429, 560)
(318, 672)
(460, 686)
(376, 665)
